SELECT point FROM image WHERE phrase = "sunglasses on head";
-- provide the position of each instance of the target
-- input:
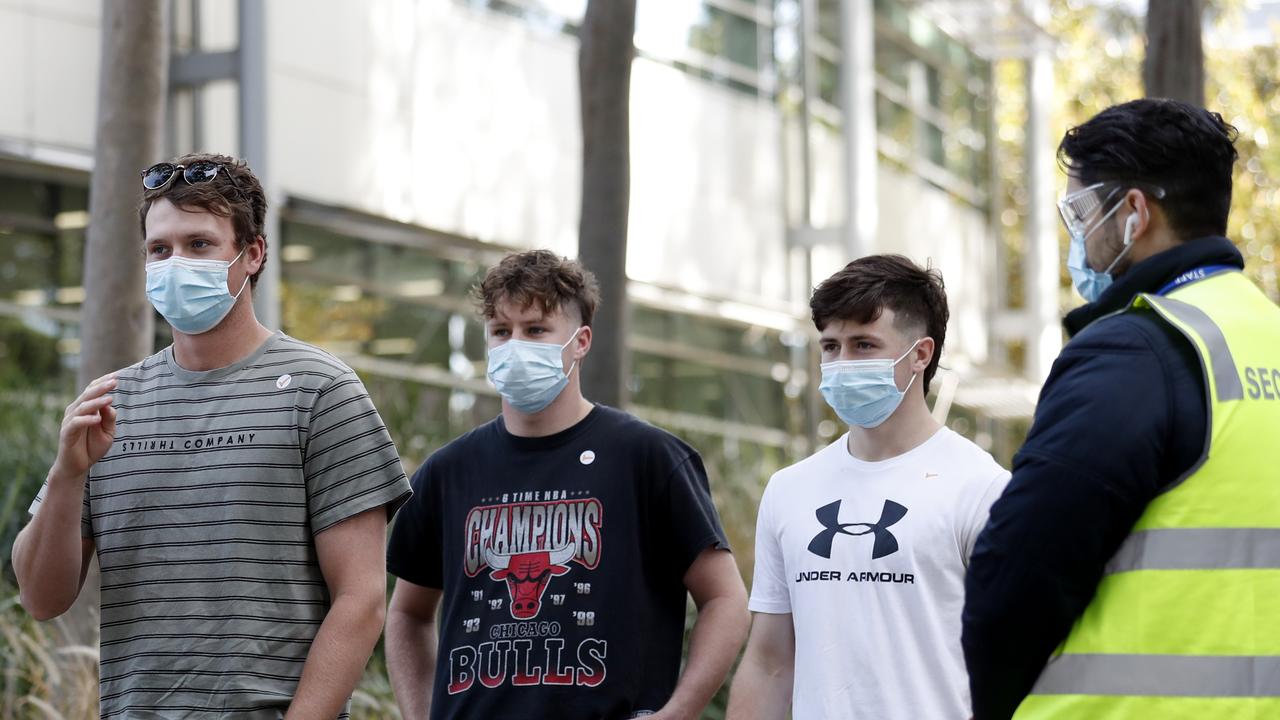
(161, 174)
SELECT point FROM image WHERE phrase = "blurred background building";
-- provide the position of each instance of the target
(407, 145)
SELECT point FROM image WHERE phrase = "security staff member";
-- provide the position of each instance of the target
(1131, 568)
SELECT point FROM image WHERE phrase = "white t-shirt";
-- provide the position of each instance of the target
(869, 559)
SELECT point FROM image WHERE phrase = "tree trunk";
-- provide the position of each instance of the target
(116, 319)
(1174, 66)
(604, 75)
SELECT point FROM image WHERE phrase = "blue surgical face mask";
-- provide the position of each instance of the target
(864, 392)
(1089, 282)
(529, 375)
(192, 294)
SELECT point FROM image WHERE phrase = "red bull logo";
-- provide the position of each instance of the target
(527, 575)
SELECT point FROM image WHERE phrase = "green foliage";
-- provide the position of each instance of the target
(1099, 63)
(41, 675)
(1244, 85)
(34, 389)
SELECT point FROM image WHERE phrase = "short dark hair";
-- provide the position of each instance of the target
(865, 287)
(542, 278)
(1181, 148)
(233, 193)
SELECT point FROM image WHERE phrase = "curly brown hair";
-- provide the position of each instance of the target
(542, 278)
(865, 287)
(233, 193)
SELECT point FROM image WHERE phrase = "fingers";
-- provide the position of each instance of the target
(95, 389)
(80, 422)
(85, 415)
(91, 407)
(109, 420)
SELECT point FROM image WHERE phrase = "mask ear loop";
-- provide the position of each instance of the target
(244, 284)
(900, 358)
(574, 364)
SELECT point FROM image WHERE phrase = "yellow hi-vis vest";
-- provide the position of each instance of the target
(1186, 621)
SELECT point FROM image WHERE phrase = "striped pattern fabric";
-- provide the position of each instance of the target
(203, 514)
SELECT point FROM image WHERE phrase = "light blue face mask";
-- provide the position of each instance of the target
(529, 375)
(864, 392)
(1074, 208)
(1089, 282)
(192, 294)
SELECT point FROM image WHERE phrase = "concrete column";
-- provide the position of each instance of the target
(1043, 334)
(858, 103)
(255, 148)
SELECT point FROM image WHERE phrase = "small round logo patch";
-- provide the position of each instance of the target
(283, 381)
(587, 457)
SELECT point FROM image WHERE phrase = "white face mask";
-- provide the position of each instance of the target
(529, 375)
(192, 294)
(864, 392)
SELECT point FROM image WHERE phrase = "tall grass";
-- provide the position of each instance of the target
(42, 675)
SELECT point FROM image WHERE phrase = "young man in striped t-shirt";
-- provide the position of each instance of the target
(235, 488)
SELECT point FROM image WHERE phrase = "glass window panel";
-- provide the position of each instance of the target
(828, 80)
(934, 144)
(720, 33)
(895, 121)
(895, 13)
(893, 61)
(828, 20)
(389, 301)
(42, 243)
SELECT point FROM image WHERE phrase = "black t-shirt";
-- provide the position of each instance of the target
(562, 561)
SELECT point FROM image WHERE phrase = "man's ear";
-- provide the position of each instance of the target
(582, 344)
(256, 253)
(1141, 209)
(923, 355)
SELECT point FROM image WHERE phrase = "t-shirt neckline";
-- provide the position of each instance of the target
(545, 442)
(841, 445)
(227, 370)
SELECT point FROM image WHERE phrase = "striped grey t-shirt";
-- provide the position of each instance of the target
(203, 514)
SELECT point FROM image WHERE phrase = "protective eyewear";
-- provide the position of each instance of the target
(1079, 206)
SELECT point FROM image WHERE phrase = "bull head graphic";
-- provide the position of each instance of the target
(527, 575)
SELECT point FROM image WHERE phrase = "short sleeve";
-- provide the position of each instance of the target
(769, 592)
(416, 551)
(349, 460)
(86, 525)
(976, 518)
(692, 519)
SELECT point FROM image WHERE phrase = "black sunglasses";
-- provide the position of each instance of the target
(161, 174)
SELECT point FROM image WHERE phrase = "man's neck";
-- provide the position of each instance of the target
(908, 428)
(233, 339)
(1160, 239)
(564, 412)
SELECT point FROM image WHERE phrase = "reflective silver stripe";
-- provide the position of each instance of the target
(1225, 374)
(1198, 549)
(1161, 675)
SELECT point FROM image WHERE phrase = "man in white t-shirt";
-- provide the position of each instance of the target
(861, 549)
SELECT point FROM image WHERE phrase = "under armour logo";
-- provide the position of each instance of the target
(885, 542)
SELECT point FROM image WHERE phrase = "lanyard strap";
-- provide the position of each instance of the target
(1199, 273)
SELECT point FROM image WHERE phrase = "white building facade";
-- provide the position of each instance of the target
(408, 144)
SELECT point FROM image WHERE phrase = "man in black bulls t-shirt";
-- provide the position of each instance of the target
(559, 540)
